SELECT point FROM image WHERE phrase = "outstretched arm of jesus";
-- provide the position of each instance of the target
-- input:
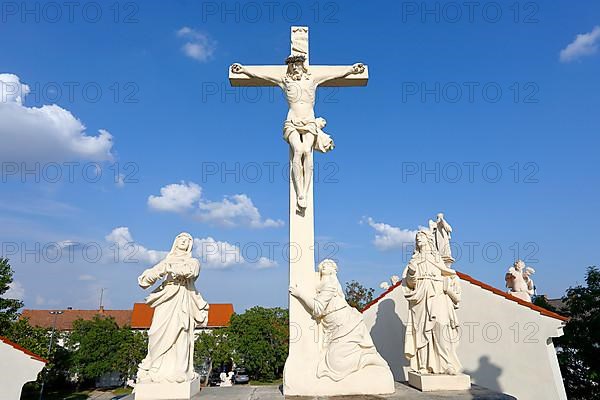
(357, 68)
(240, 69)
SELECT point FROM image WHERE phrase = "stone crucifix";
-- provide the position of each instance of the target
(304, 133)
(299, 82)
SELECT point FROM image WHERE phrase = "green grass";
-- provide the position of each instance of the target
(276, 382)
(122, 390)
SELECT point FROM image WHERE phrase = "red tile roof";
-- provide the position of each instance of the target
(64, 321)
(23, 350)
(218, 315)
(485, 286)
(138, 318)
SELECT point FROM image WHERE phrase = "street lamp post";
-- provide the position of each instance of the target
(56, 314)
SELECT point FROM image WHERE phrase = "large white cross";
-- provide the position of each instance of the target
(300, 369)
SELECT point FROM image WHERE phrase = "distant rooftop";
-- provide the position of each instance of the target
(219, 315)
(138, 318)
(64, 321)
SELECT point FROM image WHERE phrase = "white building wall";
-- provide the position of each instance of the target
(16, 369)
(504, 346)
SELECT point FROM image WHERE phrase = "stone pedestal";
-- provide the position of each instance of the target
(166, 391)
(437, 382)
(371, 380)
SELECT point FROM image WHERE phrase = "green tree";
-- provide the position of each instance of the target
(541, 301)
(579, 348)
(260, 339)
(133, 346)
(215, 346)
(8, 307)
(32, 338)
(96, 345)
(357, 295)
(37, 340)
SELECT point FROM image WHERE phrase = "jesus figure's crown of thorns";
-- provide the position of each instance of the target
(295, 59)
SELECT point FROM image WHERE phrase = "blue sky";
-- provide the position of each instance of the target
(499, 103)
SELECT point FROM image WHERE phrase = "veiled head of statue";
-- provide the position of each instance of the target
(182, 245)
(423, 241)
(328, 267)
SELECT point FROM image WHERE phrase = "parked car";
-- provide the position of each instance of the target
(214, 379)
(241, 376)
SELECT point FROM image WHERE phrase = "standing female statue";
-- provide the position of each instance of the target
(178, 308)
(433, 293)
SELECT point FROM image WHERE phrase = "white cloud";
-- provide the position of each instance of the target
(198, 45)
(15, 291)
(585, 44)
(176, 197)
(389, 237)
(236, 210)
(47, 133)
(212, 253)
(129, 250)
(86, 277)
(265, 262)
(120, 181)
(217, 254)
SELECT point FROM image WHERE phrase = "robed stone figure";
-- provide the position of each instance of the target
(433, 294)
(346, 345)
(178, 309)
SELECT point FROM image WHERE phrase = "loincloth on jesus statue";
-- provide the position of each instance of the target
(322, 141)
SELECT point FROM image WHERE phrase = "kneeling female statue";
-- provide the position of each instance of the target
(346, 343)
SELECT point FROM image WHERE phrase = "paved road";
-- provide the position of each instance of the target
(403, 392)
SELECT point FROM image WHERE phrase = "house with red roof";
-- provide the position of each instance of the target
(505, 343)
(219, 316)
(139, 318)
(18, 367)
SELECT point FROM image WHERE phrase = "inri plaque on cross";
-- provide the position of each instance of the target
(304, 133)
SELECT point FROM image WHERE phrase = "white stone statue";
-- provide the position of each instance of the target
(301, 129)
(394, 279)
(346, 346)
(226, 379)
(442, 234)
(433, 294)
(518, 280)
(178, 309)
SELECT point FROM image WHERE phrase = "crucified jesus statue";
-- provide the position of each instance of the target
(301, 129)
